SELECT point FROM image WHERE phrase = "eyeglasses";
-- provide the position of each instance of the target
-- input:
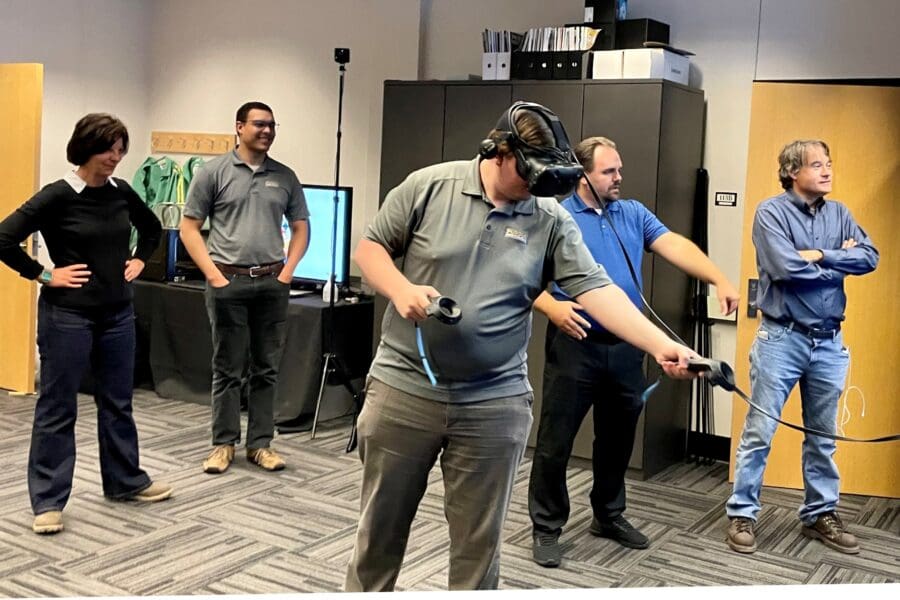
(263, 124)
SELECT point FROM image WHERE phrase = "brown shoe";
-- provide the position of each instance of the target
(219, 459)
(741, 537)
(156, 492)
(48, 522)
(265, 458)
(830, 530)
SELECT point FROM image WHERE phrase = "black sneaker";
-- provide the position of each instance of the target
(620, 530)
(546, 550)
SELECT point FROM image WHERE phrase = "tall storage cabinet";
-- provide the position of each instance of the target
(658, 128)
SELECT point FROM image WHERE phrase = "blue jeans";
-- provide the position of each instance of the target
(69, 341)
(779, 359)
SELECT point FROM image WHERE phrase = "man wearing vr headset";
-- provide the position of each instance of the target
(475, 232)
(589, 366)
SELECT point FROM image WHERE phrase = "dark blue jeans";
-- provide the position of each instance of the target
(250, 313)
(69, 341)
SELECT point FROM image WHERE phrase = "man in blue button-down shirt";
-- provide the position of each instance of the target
(805, 246)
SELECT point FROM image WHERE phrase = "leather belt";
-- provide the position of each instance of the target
(602, 337)
(804, 330)
(254, 271)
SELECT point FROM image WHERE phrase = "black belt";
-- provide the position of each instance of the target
(602, 337)
(804, 330)
(254, 271)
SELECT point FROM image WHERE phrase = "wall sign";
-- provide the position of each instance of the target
(726, 198)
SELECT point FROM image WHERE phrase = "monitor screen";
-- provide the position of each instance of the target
(315, 266)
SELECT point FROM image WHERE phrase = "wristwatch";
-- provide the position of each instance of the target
(45, 277)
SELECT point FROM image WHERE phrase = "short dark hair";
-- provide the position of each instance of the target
(246, 107)
(95, 133)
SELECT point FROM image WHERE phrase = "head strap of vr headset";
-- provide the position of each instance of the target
(507, 123)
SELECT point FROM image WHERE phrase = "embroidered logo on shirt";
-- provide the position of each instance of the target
(515, 234)
(270, 183)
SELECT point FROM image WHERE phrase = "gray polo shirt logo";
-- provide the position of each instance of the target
(517, 234)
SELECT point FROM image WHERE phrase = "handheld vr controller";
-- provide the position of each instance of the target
(445, 310)
(717, 372)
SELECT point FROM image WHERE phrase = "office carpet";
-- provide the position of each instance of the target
(252, 532)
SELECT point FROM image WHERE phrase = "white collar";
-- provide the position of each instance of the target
(78, 184)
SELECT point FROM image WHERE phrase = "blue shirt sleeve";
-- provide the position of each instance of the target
(653, 227)
(777, 256)
(861, 259)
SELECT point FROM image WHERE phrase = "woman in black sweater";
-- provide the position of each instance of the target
(85, 317)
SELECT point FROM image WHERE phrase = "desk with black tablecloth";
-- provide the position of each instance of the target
(172, 322)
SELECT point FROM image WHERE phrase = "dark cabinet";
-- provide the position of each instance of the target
(658, 128)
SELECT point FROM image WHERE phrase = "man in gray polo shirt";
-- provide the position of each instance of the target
(482, 239)
(245, 194)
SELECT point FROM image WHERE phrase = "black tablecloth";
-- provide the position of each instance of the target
(172, 321)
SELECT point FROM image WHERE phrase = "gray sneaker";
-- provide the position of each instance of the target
(546, 550)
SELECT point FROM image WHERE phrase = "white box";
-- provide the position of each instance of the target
(489, 65)
(656, 63)
(607, 64)
(504, 61)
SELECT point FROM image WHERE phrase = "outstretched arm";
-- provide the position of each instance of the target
(687, 256)
(611, 308)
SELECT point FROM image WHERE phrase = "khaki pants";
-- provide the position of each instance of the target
(400, 438)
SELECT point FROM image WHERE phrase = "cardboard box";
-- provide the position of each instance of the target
(655, 63)
(606, 64)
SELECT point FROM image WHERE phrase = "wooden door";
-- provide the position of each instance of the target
(21, 93)
(861, 124)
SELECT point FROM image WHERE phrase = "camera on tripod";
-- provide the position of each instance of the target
(342, 55)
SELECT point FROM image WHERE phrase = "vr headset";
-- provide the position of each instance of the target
(548, 170)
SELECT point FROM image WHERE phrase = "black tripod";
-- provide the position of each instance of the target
(332, 364)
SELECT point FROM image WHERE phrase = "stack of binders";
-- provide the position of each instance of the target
(497, 50)
(554, 52)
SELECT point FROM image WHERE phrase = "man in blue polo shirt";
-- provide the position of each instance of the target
(805, 247)
(589, 366)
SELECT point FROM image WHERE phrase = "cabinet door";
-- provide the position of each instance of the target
(412, 131)
(565, 99)
(629, 115)
(472, 111)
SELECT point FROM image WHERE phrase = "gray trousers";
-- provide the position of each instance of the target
(248, 320)
(400, 438)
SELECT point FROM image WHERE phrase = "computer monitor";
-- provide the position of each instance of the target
(315, 266)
